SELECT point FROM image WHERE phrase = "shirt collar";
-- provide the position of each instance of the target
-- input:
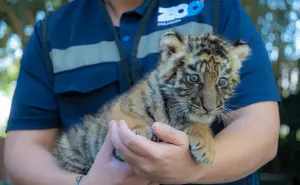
(142, 8)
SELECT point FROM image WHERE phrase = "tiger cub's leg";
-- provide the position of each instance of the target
(134, 121)
(202, 144)
(139, 127)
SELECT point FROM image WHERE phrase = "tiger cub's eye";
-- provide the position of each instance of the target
(193, 78)
(223, 82)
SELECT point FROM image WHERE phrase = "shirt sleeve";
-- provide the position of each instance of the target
(33, 105)
(257, 78)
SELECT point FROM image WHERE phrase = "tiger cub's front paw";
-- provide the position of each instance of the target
(142, 131)
(146, 132)
(202, 148)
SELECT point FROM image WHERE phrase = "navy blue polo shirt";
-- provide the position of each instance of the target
(87, 67)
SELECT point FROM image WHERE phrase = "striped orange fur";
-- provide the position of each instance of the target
(187, 90)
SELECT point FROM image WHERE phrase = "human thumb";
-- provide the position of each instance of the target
(169, 134)
(107, 146)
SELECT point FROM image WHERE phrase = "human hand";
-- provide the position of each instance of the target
(110, 171)
(168, 162)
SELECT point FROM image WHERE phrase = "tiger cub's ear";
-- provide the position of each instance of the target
(171, 42)
(239, 52)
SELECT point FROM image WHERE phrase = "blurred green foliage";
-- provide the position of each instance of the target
(8, 76)
(17, 18)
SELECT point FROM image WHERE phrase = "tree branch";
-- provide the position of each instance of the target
(14, 20)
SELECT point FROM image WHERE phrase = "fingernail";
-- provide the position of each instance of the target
(157, 124)
(112, 124)
(122, 123)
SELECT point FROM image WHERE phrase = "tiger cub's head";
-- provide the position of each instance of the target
(199, 73)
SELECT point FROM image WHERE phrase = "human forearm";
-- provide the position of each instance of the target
(29, 162)
(244, 146)
(34, 165)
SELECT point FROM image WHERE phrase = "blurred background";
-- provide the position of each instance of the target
(278, 21)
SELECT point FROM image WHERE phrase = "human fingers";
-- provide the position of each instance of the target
(169, 134)
(129, 156)
(107, 146)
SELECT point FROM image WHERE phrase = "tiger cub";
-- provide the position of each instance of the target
(187, 90)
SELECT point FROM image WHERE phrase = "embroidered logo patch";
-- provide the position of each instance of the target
(175, 14)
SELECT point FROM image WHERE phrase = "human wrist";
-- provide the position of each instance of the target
(5, 182)
(91, 179)
(198, 174)
(85, 180)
